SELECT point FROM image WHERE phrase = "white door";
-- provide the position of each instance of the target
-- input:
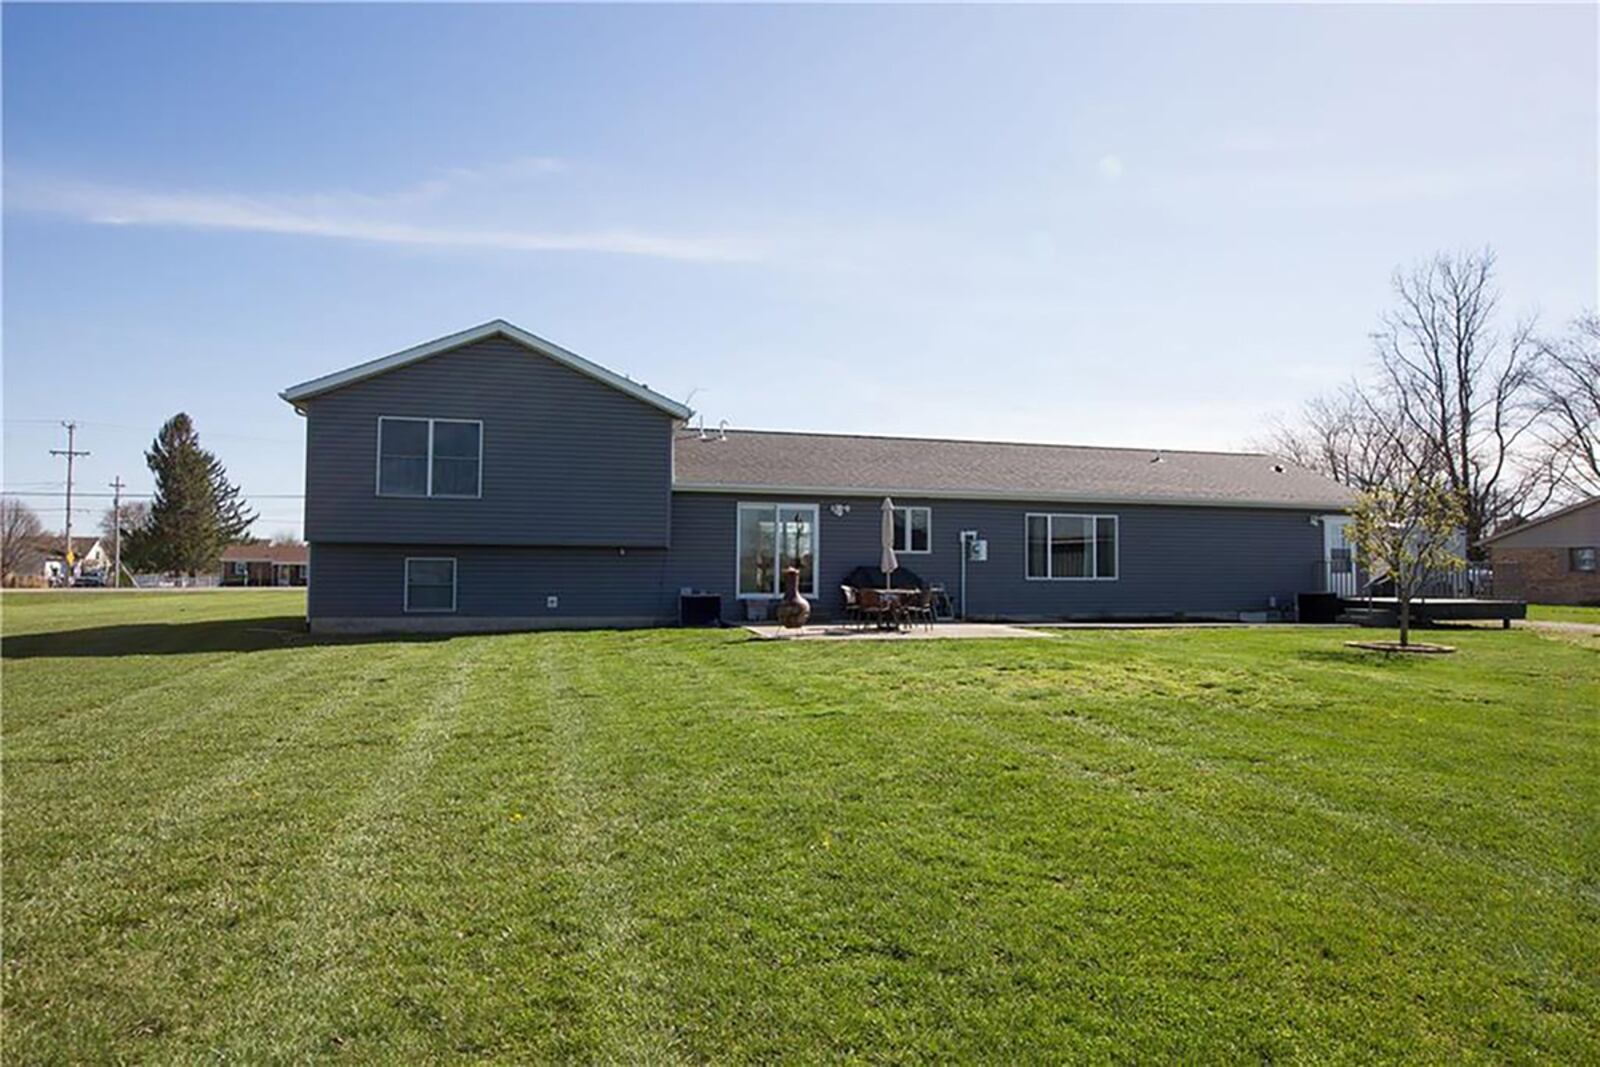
(1338, 556)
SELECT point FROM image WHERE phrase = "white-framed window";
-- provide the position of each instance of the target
(1079, 548)
(913, 530)
(773, 537)
(430, 583)
(1583, 559)
(429, 457)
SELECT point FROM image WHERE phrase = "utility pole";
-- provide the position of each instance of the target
(71, 453)
(116, 531)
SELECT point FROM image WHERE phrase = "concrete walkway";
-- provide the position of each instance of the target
(941, 631)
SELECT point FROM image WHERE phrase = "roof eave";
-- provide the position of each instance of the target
(1321, 506)
(296, 394)
(1531, 523)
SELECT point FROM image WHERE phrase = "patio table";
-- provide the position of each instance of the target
(895, 597)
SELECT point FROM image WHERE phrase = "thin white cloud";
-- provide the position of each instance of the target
(382, 219)
(1110, 167)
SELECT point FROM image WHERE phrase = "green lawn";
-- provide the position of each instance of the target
(1564, 613)
(223, 840)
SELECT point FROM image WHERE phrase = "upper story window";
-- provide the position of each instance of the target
(913, 530)
(1082, 547)
(1582, 559)
(430, 457)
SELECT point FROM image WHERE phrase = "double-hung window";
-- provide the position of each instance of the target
(772, 538)
(913, 530)
(1582, 559)
(430, 457)
(1072, 547)
(430, 583)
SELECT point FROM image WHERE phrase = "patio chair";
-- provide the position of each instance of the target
(874, 608)
(852, 605)
(921, 609)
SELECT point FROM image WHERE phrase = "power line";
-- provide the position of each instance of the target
(146, 496)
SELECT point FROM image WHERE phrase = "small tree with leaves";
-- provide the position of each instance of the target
(196, 511)
(1406, 532)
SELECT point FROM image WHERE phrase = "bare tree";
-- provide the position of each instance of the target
(285, 537)
(133, 514)
(1464, 387)
(1568, 382)
(1349, 436)
(20, 530)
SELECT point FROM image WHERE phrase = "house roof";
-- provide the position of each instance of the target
(1524, 527)
(813, 463)
(50, 545)
(497, 327)
(260, 552)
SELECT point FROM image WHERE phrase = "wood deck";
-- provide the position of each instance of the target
(1385, 610)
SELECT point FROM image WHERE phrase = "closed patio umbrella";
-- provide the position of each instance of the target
(888, 563)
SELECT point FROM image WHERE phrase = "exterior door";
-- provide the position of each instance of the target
(1338, 556)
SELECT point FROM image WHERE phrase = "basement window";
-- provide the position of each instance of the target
(430, 583)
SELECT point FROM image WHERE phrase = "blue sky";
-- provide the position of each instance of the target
(1138, 225)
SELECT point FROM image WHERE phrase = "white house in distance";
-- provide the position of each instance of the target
(89, 556)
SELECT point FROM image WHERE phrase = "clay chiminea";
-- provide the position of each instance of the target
(793, 610)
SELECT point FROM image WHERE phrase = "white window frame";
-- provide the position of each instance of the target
(405, 584)
(1094, 541)
(816, 546)
(377, 480)
(908, 550)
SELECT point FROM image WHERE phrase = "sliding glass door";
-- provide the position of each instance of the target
(772, 538)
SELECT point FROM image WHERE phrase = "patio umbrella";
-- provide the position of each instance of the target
(888, 563)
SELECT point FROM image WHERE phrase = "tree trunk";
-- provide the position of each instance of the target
(1405, 617)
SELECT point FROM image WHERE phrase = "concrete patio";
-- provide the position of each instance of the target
(940, 631)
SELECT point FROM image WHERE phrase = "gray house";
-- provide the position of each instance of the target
(493, 480)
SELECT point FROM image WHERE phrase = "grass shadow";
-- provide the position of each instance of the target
(1355, 657)
(262, 634)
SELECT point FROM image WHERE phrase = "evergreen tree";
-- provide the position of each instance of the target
(196, 511)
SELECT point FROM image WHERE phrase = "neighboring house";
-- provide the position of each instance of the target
(493, 480)
(1550, 560)
(89, 556)
(259, 563)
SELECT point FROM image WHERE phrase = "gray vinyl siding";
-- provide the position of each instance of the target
(594, 586)
(1576, 529)
(567, 460)
(1173, 560)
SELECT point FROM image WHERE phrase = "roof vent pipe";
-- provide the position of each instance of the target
(722, 429)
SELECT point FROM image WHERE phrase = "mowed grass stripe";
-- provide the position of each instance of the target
(141, 831)
(173, 925)
(1202, 846)
(198, 915)
(1253, 839)
(1229, 741)
(330, 910)
(872, 880)
(175, 742)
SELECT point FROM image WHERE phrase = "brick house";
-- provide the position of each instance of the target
(1550, 560)
(259, 563)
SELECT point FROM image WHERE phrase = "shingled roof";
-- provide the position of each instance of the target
(814, 463)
